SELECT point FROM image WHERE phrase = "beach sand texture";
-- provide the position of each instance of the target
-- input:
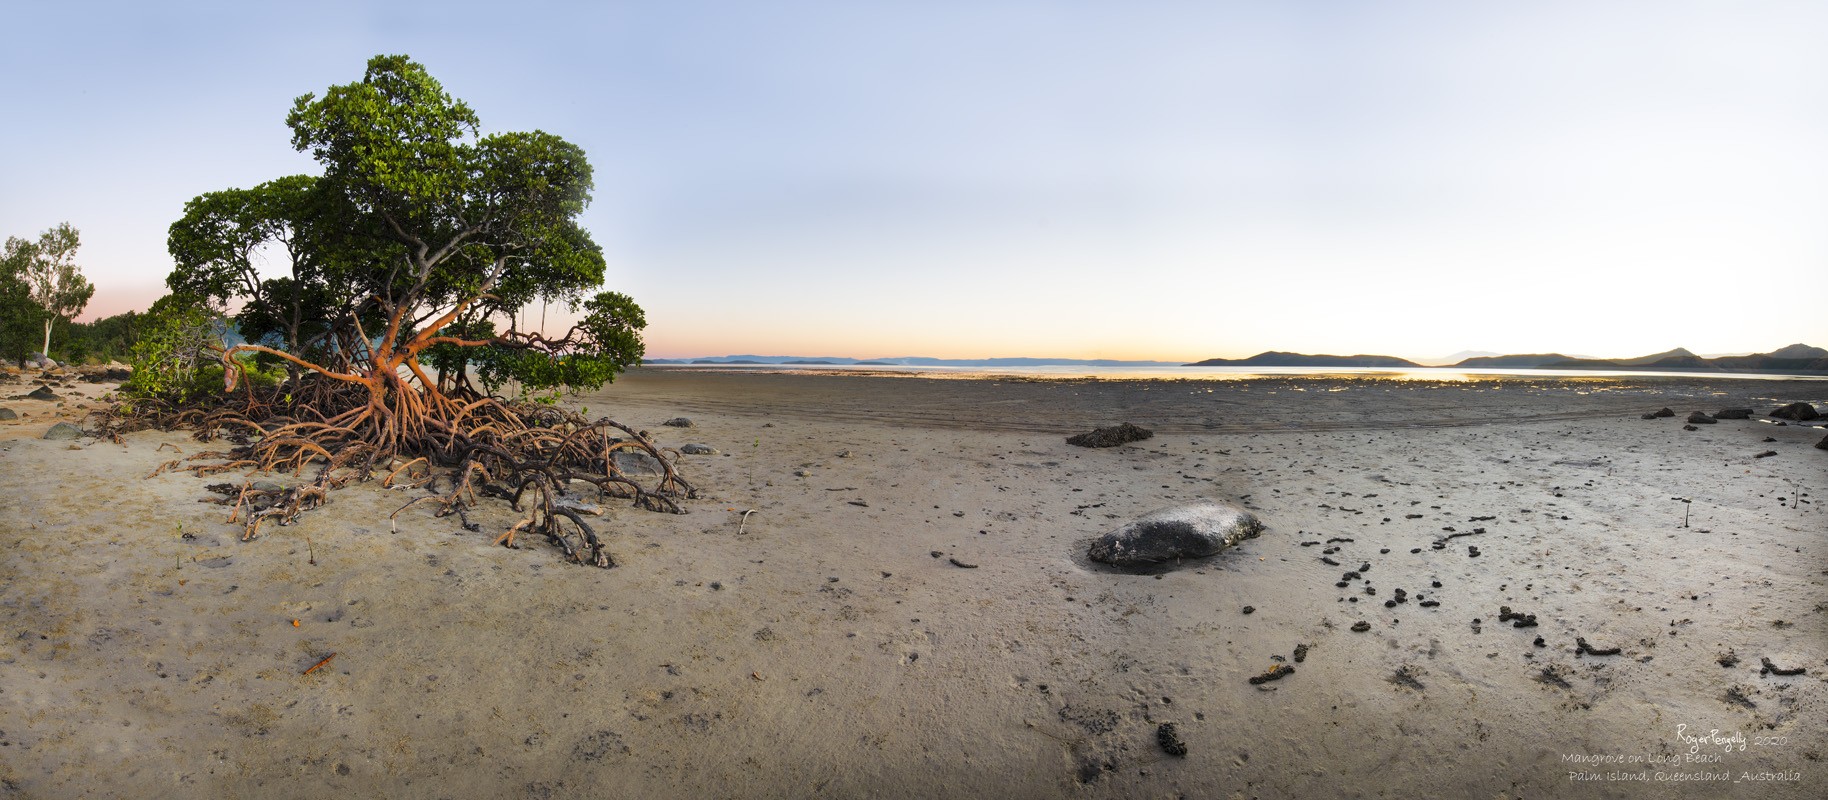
(833, 648)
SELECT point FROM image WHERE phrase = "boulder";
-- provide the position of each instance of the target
(1699, 418)
(678, 422)
(63, 430)
(1733, 413)
(1823, 444)
(1665, 412)
(7, 413)
(42, 393)
(698, 450)
(1111, 437)
(1191, 531)
(1796, 411)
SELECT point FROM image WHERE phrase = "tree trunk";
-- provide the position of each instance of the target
(46, 352)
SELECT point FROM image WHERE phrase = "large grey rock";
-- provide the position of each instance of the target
(7, 413)
(1796, 411)
(1191, 531)
(42, 393)
(1733, 413)
(1698, 418)
(63, 430)
(632, 462)
(1823, 444)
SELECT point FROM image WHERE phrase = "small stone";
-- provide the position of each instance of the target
(844, 454)
(678, 422)
(1699, 418)
(1663, 412)
(1690, 428)
(801, 473)
(1361, 626)
(1250, 609)
(698, 450)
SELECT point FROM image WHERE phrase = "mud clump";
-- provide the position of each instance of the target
(1111, 437)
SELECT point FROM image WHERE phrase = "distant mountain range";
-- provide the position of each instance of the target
(1796, 358)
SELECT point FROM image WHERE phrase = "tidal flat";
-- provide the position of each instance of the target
(809, 629)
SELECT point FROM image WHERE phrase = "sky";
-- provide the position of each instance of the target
(1139, 180)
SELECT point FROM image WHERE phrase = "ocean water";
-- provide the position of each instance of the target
(1076, 371)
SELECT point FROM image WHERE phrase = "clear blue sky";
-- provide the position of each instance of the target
(1127, 180)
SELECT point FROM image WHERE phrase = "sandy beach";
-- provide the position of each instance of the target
(830, 644)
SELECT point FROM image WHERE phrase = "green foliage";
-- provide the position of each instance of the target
(421, 225)
(607, 340)
(176, 355)
(48, 269)
(19, 316)
(106, 339)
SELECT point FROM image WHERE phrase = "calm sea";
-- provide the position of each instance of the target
(1063, 371)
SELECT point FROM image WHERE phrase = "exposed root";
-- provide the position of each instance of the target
(538, 458)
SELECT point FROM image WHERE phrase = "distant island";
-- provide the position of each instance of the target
(1279, 359)
(1796, 358)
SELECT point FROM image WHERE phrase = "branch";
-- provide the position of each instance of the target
(233, 368)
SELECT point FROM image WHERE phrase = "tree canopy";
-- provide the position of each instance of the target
(48, 269)
(419, 233)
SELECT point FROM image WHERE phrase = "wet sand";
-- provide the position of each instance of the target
(826, 650)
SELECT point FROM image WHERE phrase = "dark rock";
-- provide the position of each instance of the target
(1797, 411)
(7, 413)
(1250, 609)
(961, 564)
(1170, 741)
(678, 422)
(1766, 454)
(1699, 418)
(1192, 531)
(1664, 412)
(1301, 653)
(1111, 437)
(1361, 626)
(1733, 413)
(1772, 669)
(1275, 673)
(698, 450)
(63, 430)
(1690, 428)
(1823, 444)
(42, 393)
(1649, 416)
(1581, 646)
